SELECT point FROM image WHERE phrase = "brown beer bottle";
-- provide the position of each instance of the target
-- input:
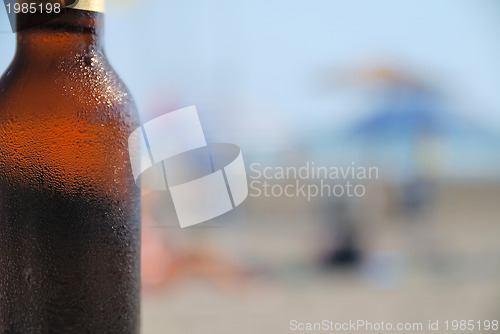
(69, 208)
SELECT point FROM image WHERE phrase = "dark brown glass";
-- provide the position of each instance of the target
(69, 208)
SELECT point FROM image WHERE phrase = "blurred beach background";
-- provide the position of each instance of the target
(411, 87)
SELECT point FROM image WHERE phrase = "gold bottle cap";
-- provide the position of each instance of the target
(90, 5)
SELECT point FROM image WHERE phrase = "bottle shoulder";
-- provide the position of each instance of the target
(82, 83)
(67, 123)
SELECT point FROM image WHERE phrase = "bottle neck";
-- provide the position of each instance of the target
(77, 31)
